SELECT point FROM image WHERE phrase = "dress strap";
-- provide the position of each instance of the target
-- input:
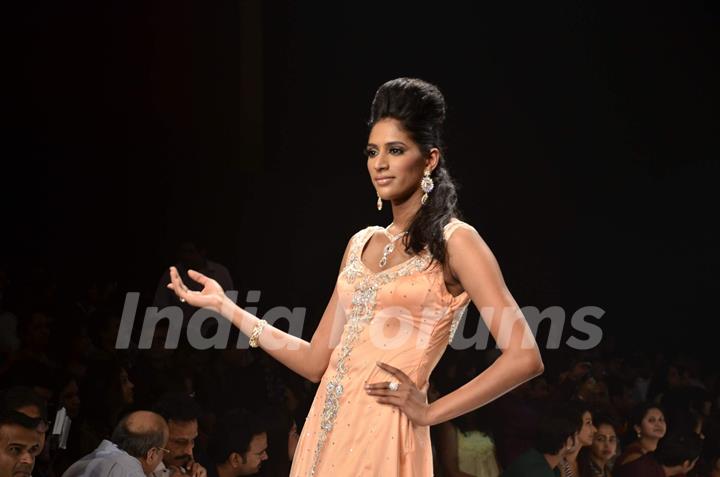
(453, 225)
(360, 239)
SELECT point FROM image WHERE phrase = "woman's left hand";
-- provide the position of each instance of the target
(408, 398)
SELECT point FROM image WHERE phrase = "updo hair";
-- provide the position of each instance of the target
(420, 108)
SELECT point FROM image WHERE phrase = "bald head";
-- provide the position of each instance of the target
(140, 431)
(143, 422)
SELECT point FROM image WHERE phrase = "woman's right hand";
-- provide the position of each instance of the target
(211, 296)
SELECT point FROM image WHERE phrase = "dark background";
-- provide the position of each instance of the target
(584, 137)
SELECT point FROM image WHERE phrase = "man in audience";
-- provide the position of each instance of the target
(181, 413)
(239, 445)
(676, 454)
(19, 443)
(26, 401)
(137, 448)
(557, 437)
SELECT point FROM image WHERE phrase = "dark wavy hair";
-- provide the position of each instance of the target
(420, 108)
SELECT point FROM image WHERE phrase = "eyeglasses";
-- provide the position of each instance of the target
(166, 451)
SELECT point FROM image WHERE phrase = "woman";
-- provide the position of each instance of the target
(649, 424)
(394, 309)
(596, 460)
(569, 465)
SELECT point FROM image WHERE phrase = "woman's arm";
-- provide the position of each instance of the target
(475, 267)
(310, 360)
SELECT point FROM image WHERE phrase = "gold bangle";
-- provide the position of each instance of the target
(256, 333)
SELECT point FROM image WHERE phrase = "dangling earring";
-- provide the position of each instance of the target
(426, 184)
(379, 202)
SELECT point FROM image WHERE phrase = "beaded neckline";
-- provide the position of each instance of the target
(364, 242)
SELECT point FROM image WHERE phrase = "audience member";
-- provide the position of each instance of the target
(648, 422)
(135, 449)
(557, 437)
(239, 445)
(676, 454)
(181, 413)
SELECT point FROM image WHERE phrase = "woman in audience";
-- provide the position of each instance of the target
(596, 460)
(569, 466)
(648, 422)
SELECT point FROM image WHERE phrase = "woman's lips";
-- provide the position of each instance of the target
(384, 180)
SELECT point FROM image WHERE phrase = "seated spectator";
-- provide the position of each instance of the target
(181, 413)
(282, 442)
(569, 464)
(24, 400)
(557, 437)
(34, 333)
(68, 394)
(596, 460)
(238, 446)
(648, 422)
(136, 449)
(676, 454)
(19, 443)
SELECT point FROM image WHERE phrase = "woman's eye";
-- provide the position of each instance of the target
(396, 151)
(370, 152)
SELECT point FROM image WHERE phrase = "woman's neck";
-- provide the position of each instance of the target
(649, 444)
(572, 457)
(599, 463)
(404, 211)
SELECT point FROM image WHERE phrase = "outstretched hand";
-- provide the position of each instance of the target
(211, 296)
(407, 397)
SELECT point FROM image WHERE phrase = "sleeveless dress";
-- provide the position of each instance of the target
(403, 316)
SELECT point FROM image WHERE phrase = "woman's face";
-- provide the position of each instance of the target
(127, 387)
(653, 424)
(604, 444)
(70, 398)
(395, 162)
(587, 431)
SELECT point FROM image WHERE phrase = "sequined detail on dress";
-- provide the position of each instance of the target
(456, 321)
(366, 285)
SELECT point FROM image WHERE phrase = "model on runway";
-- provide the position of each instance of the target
(399, 295)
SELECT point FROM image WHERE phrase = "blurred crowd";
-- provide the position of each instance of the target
(75, 404)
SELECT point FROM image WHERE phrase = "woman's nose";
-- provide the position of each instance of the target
(380, 161)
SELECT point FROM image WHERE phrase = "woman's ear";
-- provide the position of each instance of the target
(433, 159)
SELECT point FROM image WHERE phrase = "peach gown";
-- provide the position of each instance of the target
(404, 316)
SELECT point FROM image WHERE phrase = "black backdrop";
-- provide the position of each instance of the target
(584, 137)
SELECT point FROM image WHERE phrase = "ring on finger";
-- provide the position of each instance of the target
(393, 385)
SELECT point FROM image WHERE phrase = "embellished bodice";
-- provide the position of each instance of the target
(403, 315)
